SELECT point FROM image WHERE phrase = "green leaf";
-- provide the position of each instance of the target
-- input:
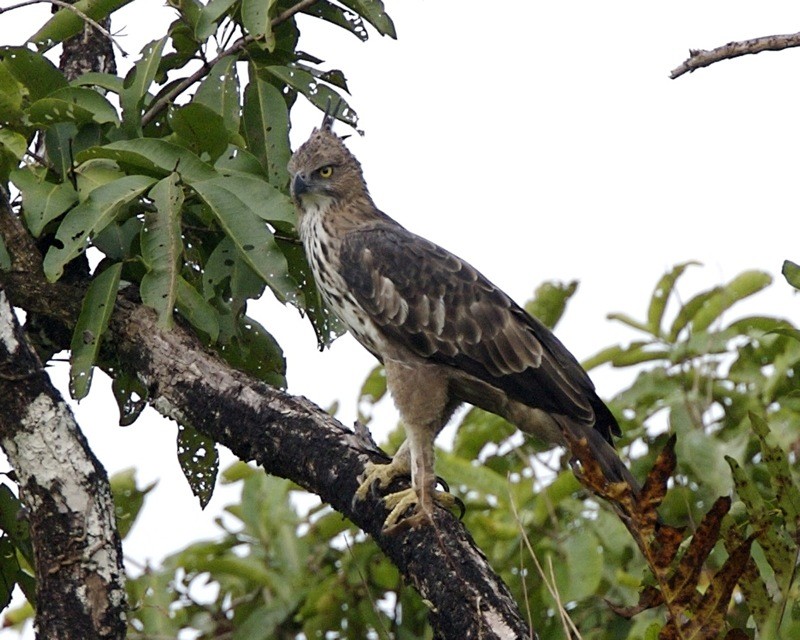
(137, 84)
(780, 475)
(9, 568)
(13, 525)
(374, 13)
(42, 201)
(12, 94)
(131, 396)
(196, 310)
(688, 311)
(65, 23)
(208, 18)
(348, 20)
(105, 81)
(791, 272)
(72, 104)
(237, 161)
(661, 294)
(266, 128)
(257, 18)
(253, 350)
(478, 429)
(90, 327)
(626, 319)
(39, 76)
(59, 144)
(550, 301)
(238, 205)
(90, 217)
(13, 142)
(219, 91)
(320, 95)
(200, 129)
(128, 499)
(152, 156)
(199, 460)
(162, 247)
(742, 286)
(116, 241)
(226, 263)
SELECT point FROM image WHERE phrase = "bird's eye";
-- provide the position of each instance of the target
(326, 172)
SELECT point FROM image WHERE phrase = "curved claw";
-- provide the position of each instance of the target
(462, 508)
(441, 481)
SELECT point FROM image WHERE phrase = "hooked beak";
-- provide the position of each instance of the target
(299, 186)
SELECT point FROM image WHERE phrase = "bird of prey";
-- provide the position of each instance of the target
(444, 333)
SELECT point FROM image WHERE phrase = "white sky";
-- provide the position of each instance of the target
(539, 140)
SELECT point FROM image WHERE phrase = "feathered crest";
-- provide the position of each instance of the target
(331, 112)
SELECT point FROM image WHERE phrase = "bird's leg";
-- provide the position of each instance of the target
(422, 493)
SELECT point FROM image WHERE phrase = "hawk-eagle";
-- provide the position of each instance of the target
(444, 333)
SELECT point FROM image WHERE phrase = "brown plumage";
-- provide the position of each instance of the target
(445, 334)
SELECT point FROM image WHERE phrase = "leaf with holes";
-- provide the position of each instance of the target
(257, 18)
(239, 204)
(219, 91)
(162, 247)
(199, 460)
(374, 13)
(90, 327)
(65, 24)
(90, 217)
(265, 120)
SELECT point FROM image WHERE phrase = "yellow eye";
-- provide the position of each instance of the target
(326, 172)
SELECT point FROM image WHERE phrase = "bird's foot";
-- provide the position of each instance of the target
(380, 475)
(401, 502)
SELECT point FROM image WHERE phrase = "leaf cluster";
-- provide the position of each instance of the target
(128, 183)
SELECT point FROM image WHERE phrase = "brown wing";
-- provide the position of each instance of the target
(443, 309)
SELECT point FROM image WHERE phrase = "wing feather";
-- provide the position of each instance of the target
(443, 309)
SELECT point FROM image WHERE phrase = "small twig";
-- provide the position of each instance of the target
(76, 11)
(702, 58)
(160, 104)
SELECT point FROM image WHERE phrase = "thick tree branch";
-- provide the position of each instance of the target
(292, 438)
(78, 558)
(702, 58)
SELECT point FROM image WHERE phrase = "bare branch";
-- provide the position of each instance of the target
(159, 105)
(703, 58)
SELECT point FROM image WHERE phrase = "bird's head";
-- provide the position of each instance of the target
(324, 172)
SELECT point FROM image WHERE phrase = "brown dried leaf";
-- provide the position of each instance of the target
(665, 547)
(684, 582)
(736, 634)
(655, 485)
(650, 597)
(709, 615)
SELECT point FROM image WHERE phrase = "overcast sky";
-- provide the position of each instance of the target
(538, 140)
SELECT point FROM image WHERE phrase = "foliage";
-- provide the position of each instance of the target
(184, 197)
(702, 566)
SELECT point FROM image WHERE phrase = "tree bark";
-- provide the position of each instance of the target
(292, 438)
(78, 558)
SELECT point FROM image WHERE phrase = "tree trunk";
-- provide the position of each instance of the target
(78, 558)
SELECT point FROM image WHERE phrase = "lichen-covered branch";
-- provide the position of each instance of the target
(703, 58)
(78, 558)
